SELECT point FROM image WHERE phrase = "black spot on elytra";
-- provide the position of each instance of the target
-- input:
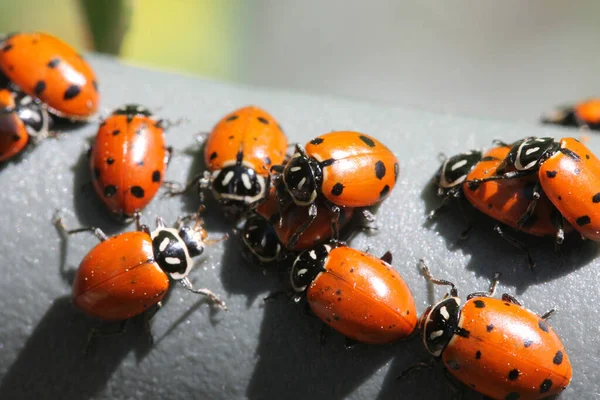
(317, 141)
(140, 163)
(232, 118)
(110, 190)
(507, 304)
(8, 47)
(512, 396)
(110, 160)
(96, 173)
(16, 137)
(513, 375)
(156, 176)
(213, 155)
(545, 386)
(527, 342)
(327, 162)
(489, 206)
(543, 325)
(337, 189)
(551, 174)
(478, 355)
(559, 198)
(558, 358)
(137, 191)
(384, 192)
(267, 161)
(116, 132)
(453, 364)
(583, 220)
(39, 88)
(489, 328)
(231, 137)
(479, 303)
(379, 169)
(53, 63)
(368, 141)
(587, 156)
(72, 92)
(596, 198)
(263, 120)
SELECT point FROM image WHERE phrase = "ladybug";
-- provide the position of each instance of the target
(568, 173)
(584, 114)
(260, 244)
(127, 274)
(238, 153)
(505, 201)
(349, 169)
(21, 118)
(495, 346)
(128, 160)
(295, 219)
(50, 70)
(355, 293)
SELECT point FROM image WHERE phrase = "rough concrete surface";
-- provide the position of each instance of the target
(258, 349)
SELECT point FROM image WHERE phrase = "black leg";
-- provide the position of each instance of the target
(435, 281)
(548, 314)
(148, 319)
(312, 214)
(516, 244)
(387, 257)
(510, 299)
(490, 291)
(174, 188)
(537, 192)
(60, 225)
(416, 367)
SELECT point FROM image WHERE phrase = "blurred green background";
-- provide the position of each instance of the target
(509, 59)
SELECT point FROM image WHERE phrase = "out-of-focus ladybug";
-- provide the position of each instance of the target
(357, 294)
(128, 274)
(238, 154)
(349, 169)
(260, 244)
(48, 69)
(585, 114)
(495, 346)
(128, 160)
(506, 201)
(568, 173)
(22, 120)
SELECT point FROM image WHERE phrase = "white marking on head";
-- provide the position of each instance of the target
(172, 260)
(444, 313)
(532, 150)
(436, 334)
(26, 100)
(263, 241)
(458, 165)
(301, 272)
(228, 177)
(327, 247)
(296, 155)
(294, 169)
(312, 254)
(246, 181)
(163, 245)
(301, 183)
(252, 228)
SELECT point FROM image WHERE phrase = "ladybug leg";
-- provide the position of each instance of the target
(387, 257)
(168, 154)
(312, 214)
(335, 218)
(468, 222)
(491, 290)
(536, 194)
(500, 143)
(174, 188)
(416, 367)
(475, 183)
(205, 292)
(435, 281)
(148, 317)
(548, 314)
(510, 299)
(60, 225)
(516, 244)
(98, 332)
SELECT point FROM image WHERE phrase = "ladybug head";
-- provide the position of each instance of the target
(33, 114)
(301, 175)
(438, 324)
(528, 154)
(132, 109)
(238, 188)
(454, 171)
(173, 249)
(308, 265)
(260, 242)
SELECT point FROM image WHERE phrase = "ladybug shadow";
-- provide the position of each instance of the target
(88, 208)
(491, 253)
(64, 125)
(52, 365)
(292, 362)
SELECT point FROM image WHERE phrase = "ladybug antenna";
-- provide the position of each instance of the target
(443, 282)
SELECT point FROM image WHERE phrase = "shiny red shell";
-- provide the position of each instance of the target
(294, 216)
(572, 183)
(507, 200)
(507, 352)
(47, 68)
(119, 278)
(359, 170)
(588, 112)
(362, 297)
(13, 133)
(128, 162)
(252, 131)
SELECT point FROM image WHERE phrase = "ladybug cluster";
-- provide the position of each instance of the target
(293, 210)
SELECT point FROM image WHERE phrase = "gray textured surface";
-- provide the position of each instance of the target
(258, 350)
